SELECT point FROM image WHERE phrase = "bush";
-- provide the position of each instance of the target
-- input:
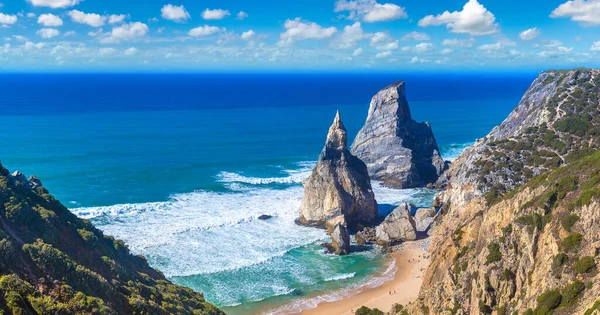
(494, 254)
(558, 261)
(572, 293)
(367, 311)
(548, 302)
(572, 241)
(584, 265)
(569, 221)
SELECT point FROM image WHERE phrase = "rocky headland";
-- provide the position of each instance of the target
(397, 150)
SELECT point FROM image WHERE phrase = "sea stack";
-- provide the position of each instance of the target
(397, 150)
(338, 191)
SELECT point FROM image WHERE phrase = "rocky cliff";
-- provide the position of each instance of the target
(338, 191)
(397, 150)
(518, 230)
(51, 262)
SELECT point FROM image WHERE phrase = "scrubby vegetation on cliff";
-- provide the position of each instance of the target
(52, 262)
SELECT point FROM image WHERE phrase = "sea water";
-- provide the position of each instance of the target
(181, 166)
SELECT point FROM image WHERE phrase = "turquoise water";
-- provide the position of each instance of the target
(181, 167)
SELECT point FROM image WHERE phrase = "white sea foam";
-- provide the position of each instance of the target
(339, 277)
(293, 176)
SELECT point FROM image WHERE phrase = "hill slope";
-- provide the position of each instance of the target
(52, 262)
(519, 226)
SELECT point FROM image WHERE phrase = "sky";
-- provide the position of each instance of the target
(301, 35)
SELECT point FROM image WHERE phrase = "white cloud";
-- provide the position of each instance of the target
(553, 43)
(20, 38)
(47, 32)
(530, 34)
(474, 20)
(456, 42)
(586, 12)
(357, 52)
(384, 54)
(416, 36)
(298, 30)
(420, 48)
(116, 18)
(32, 46)
(416, 59)
(91, 19)
(106, 51)
(350, 36)
(175, 13)
(554, 52)
(595, 46)
(383, 41)
(131, 51)
(370, 10)
(6, 19)
(205, 30)
(31, 15)
(55, 4)
(496, 46)
(248, 35)
(447, 51)
(50, 20)
(217, 14)
(69, 33)
(127, 31)
(242, 15)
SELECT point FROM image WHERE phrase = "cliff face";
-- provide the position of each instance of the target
(397, 150)
(52, 262)
(338, 191)
(519, 222)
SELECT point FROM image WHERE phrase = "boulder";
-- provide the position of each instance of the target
(425, 213)
(397, 150)
(398, 226)
(340, 240)
(338, 191)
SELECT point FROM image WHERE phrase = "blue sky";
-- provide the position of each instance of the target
(336, 35)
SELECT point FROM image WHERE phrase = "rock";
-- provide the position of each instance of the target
(365, 236)
(265, 217)
(34, 182)
(20, 178)
(338, 191)
(397, 150)
(340, 240)
(398, 226)
(424, 213)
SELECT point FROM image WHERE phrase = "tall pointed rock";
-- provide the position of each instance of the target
(338, 191)
(397, 150)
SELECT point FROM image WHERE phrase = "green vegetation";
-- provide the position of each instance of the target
(548, 302)
(535, 221)
(367, 311)
(572, 242)
(594, 307)
(569, 221)
(52, 262)
(558, 262)
(572, 293)
(399, 309)
(494, 254)
(584, 265)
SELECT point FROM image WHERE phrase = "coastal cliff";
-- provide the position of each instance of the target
(518, 230)
(397, 150)
(52, 262)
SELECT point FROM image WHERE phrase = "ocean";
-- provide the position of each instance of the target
(180, 166)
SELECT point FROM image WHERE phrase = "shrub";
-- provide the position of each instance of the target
(494, 254)
(584, 265)
(558, 261)
(548, 302)
(399, 309)
(566, 185)
(574, 125)
(363, 310)
(569, 221)
(572, 293)
(572, 241)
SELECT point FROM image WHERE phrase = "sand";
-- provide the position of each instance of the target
(406, 283)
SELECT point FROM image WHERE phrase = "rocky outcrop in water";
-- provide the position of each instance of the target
(340, 240)
(338, 191)
(518, 229)
(397, 150)
(397, 227)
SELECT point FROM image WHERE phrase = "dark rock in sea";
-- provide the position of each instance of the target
(265, 217)
(397, 150)
(338, 191)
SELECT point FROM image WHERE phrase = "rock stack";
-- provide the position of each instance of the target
(338, 193)
(397, 150)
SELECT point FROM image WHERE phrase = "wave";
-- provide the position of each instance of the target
(339, 277)
(452, 151)
(294, 176)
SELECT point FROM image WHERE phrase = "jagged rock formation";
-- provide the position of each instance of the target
(397, 150)
(398, 226)
(519, 225)
(340, 240)
(424, 218)
(51, 262)
(338, 191)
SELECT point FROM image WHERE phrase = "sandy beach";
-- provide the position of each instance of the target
(406, 285)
